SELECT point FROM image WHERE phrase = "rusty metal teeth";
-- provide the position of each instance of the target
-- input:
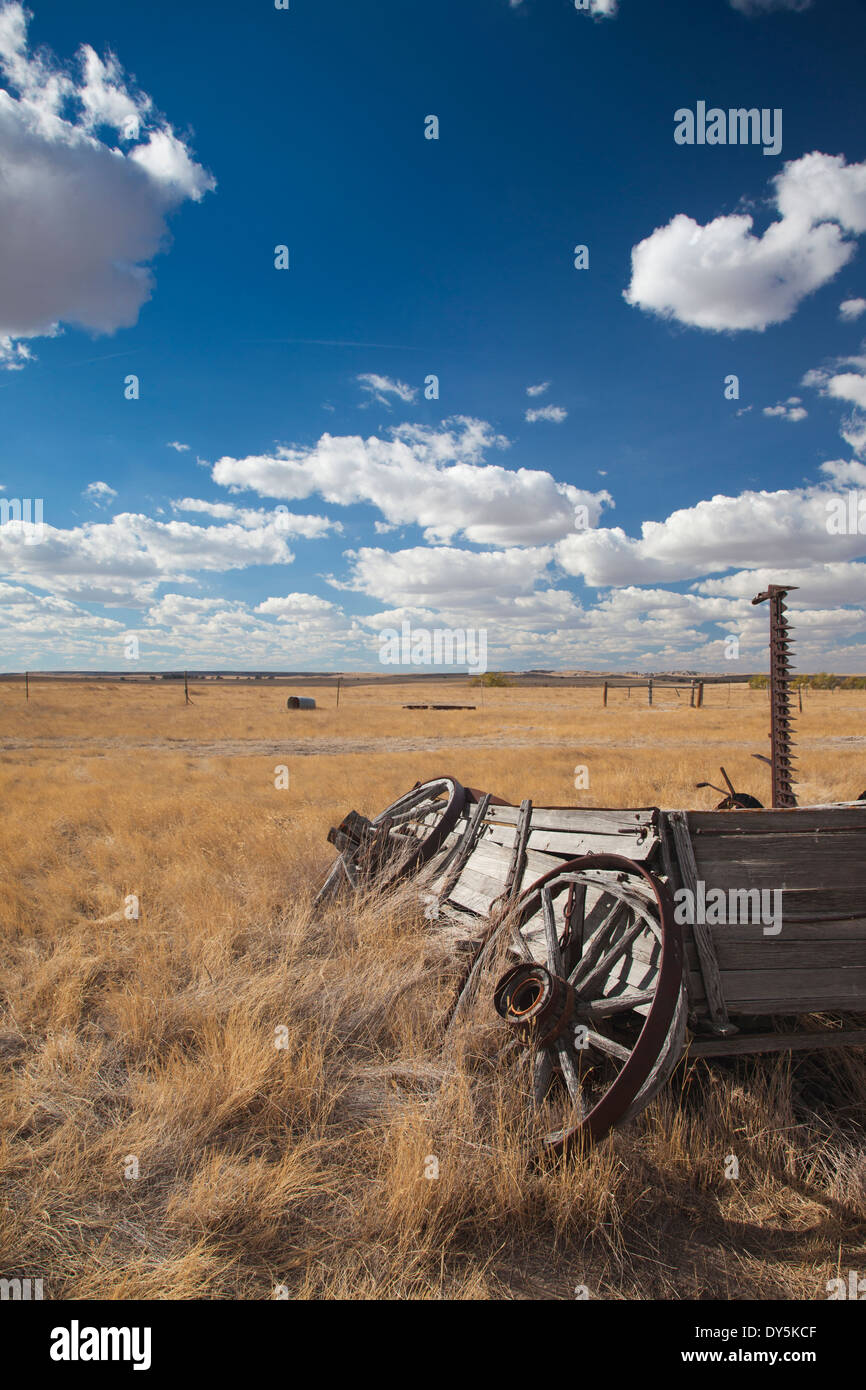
(781, 719)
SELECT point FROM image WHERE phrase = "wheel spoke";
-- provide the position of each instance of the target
(418, 813)
(542, 1074)
(607, 1045)
(587, 982)
(570, 1074)
(595, 949)
(618, 1004)
(554, 955)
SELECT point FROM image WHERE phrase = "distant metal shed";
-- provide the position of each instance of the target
(300, 702)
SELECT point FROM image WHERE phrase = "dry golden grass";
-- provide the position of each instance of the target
(304, 1165)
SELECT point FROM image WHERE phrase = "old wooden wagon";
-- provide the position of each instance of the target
(633, 934)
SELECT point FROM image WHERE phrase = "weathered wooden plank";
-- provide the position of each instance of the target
(517, 862)
(589, 819)
(715, 996)
(797, 821)
(793, 991)
(777, 1042)
(775, 953)
(821, 904)
(466, 846)
(570, 844)
(782, 861)
(463, 895)
(490, 858)
(852, 930)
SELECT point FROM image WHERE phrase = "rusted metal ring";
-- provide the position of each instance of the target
(452, 811)
(535, 1002)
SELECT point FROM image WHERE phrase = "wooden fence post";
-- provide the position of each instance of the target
(339, 685)
(604, 696)
(692, 697)
(700, 694)
(649, 692)
(26, 685)
(186, 688)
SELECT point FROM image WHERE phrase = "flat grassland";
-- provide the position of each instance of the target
(157, 1142)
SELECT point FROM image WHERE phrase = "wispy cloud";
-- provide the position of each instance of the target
(792, 409)
(759, 7)
(382, 388)
(851, 309)
(100, 494)
(556, 413)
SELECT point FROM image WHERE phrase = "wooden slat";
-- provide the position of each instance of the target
(466, 846)
(777, 1042)
(792, 991)
(494, 860)
(777, 953)
(679, 825)
(820, 904)
(588, 819)
(797, 821)
(570, 844)
(782, 861)
(852, 931)
(517, 862)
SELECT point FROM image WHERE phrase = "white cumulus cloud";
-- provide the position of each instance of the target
(90, 173)
(433, 478)
(751, 531)
(724, 277)
(848, 386)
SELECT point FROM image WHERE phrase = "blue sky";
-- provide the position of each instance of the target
(620, 516)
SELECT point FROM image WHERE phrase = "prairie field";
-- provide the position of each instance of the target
(228, 1095)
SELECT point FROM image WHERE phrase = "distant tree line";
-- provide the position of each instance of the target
(824, 680)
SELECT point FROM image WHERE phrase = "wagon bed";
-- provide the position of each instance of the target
(618, 964)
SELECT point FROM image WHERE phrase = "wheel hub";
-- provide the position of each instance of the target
(539, 1004)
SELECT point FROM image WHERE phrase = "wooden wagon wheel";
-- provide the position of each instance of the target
(397, 841)
(603, 1012)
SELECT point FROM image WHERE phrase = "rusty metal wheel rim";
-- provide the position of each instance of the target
(433, 841)
(452, 809)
